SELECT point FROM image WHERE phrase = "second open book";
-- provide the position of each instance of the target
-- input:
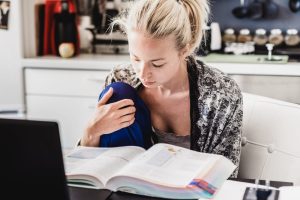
(164, 170)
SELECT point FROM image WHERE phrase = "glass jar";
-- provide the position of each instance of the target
(276, 37)
(229, 36)
(244, 36)
(292, 38)
(260, 37)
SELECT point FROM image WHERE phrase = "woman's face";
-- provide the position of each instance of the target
(156, 61)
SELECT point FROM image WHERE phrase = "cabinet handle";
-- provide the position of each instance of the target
(93, 79)
(92, 106)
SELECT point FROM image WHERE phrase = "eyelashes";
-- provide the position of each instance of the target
(157, 65)
(154, 65)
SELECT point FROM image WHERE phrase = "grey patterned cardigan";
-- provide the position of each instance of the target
(216, 108)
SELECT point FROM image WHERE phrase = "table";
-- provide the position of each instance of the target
(77, 193)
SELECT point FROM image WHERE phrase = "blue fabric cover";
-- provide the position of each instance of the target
(140, 132)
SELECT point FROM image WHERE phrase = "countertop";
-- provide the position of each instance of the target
(82, 61)
(106, 62)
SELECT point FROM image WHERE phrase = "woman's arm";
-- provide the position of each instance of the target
(107, 116)
(230, 133)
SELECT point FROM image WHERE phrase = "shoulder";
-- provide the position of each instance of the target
(216, 84)
(213, 90)
(123, 73)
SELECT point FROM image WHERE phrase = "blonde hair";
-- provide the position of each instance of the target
(185, 19)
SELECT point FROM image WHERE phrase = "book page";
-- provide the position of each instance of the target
(168, 165)
(98, 164)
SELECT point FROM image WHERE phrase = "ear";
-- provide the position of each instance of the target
(185, 52)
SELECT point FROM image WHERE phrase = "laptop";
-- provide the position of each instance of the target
(31, 160)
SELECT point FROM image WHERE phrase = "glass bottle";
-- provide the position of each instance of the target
(260, 37)
(229, 36)
(276, 37)
(244, 36)
(292, 38)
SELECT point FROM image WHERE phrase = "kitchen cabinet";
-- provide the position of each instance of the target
(66, 90)
(284, 88)
(63, 95)
(279, 81)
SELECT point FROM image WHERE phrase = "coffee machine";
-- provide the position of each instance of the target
(103, 40)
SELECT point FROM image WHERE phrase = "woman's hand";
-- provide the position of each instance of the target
(108, 118)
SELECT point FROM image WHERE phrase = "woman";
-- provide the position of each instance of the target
(191, 104)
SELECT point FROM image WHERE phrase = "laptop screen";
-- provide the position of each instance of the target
(31, 160)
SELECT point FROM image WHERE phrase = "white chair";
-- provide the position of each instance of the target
(271, 139)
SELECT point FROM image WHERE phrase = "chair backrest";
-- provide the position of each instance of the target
(271, 139)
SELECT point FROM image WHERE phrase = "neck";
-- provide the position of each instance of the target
(179, 84)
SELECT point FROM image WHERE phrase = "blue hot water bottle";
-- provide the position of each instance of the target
(137, 134)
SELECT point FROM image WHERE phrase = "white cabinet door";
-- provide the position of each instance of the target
(71, 113)
(285, 88)
(87, 83)
(66, 96)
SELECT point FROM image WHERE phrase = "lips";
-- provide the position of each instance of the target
(149, 82)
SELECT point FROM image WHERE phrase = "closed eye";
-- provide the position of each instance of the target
(154, 65)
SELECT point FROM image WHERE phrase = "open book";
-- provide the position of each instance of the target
(164, 170)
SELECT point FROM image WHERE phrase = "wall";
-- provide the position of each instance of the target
(10, 60)
(221, 12)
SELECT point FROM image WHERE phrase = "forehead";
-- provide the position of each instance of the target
(140, 43)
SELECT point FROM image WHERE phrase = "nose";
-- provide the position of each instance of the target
(144, 71)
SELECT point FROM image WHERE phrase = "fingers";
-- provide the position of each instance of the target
(127, 123)
(126, 111)
(122, 103)
(106, 97)
(126, 118)
(116, 105)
